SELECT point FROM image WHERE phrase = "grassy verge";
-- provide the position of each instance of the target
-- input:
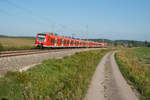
(54, 79)
(18, 48)
(134, 66)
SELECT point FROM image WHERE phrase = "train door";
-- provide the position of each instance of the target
(79, 44)
(62, 42)
(52, 41)
(59, 42)
(56, 42)
(68, 43)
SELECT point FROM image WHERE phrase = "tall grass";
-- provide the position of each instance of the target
(132, 65)
(54, 79)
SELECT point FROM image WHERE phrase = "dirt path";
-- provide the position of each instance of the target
(108, 83)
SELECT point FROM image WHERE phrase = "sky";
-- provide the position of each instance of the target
(110, 19)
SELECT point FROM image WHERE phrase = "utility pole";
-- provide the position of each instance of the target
(87, 32)
(103, 42)
(73, 35)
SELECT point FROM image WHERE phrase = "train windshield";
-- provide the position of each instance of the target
(41, 38)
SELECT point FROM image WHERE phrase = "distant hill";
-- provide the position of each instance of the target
(101, 40)
(3, 36)
(131, 42)
(17, 36)
(120, 42)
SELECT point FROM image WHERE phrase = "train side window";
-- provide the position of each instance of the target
(64, 42)
(68, 42)
(56, 41)
(51, 40)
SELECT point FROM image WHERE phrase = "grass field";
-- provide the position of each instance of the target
(55, 79)
(12, 43)
(134, 63)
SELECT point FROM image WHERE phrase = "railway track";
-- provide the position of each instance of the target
(4, 54)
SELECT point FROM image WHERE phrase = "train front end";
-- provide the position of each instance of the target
(40, 41)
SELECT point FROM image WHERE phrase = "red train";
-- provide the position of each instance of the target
(55, 41)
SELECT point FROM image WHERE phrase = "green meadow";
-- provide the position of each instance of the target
(134, 64)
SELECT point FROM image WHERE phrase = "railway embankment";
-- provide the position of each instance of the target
(23, 62)
(66, 78)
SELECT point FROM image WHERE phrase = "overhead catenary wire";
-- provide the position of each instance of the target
(31, 13)
(40, 20)
(43, 20)
(4, 12)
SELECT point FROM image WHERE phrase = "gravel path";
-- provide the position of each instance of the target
(108, 82)
(26, 61)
